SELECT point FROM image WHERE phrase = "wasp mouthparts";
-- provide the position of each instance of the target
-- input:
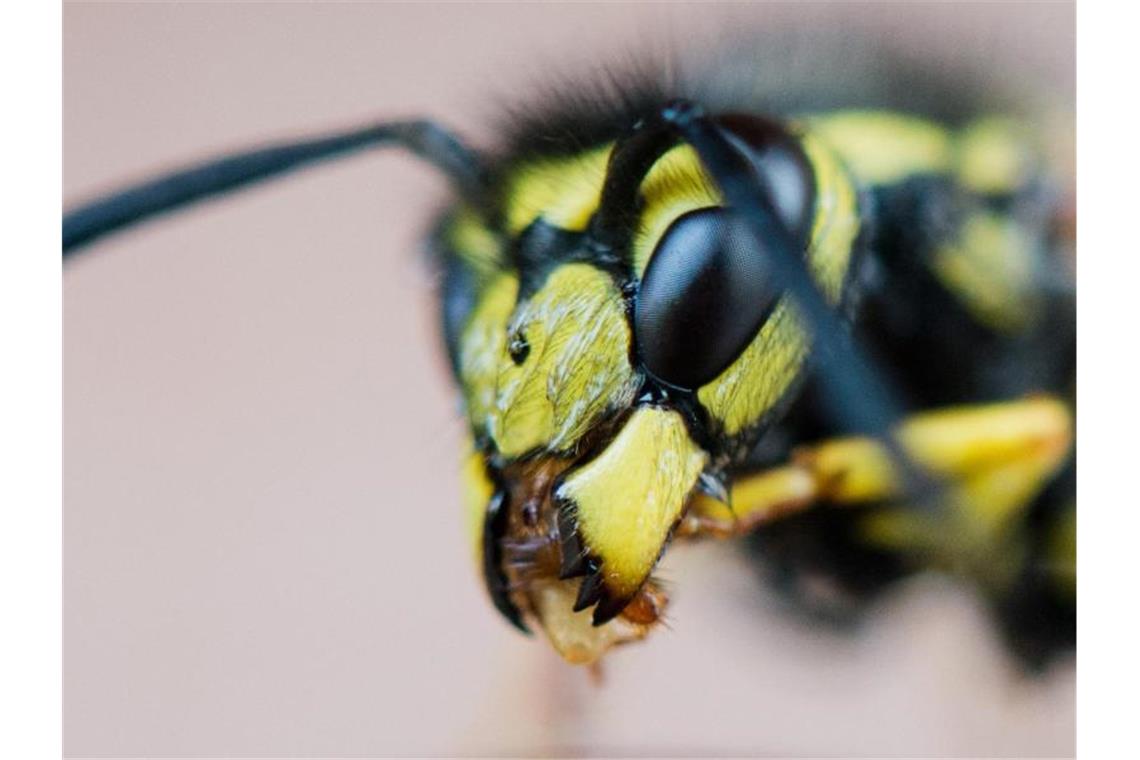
(550, 577)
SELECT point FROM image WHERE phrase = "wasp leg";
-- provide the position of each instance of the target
(752, 501)
(993, 459)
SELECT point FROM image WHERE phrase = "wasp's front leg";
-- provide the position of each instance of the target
(992, 460)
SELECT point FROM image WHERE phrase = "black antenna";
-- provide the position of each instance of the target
(181, 188)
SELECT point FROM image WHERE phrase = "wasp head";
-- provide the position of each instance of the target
(611, 356)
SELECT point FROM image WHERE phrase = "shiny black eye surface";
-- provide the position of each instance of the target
(705, 294)
(778, 165)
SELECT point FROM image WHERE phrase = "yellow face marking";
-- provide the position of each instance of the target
(482, 347)
(563, 191)
(577, 366)
(759, 377)
(676, 185)
(630, 496)
(881, 147)
(994, 156)
(475, 244)
(752, 384)
(989, 267)
(477, 491)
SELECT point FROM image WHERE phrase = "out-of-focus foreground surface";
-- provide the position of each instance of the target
(264, 546)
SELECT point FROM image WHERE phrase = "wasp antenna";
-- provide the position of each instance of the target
(172, 191)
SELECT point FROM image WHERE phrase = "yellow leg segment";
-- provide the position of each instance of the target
(992, 458)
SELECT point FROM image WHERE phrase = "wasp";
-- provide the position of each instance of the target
(688, 308)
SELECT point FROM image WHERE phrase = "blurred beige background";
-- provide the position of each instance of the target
(264, 549)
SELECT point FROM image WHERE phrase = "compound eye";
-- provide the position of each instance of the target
(704, 295)
(779, 166)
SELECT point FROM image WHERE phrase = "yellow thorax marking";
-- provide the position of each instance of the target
(995, 156)
(991, 155)
(989, 267)
(883, 147)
